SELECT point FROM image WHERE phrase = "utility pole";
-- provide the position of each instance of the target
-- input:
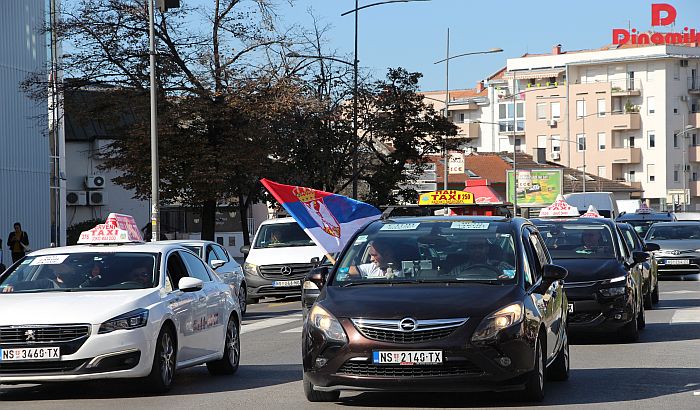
(155, 178)
(447, 106)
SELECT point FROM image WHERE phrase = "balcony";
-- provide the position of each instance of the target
(629, 87)
(694, 154)
(694, 119)
(694, 85)
(627, 155)
(465, 104)
(468, 130)
(625, 121)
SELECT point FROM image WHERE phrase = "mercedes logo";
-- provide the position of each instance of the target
(29, 335)
(407, 325)
(286, 270)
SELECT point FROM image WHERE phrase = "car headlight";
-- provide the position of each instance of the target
(610, 292)
(130, 320)
(615, 280)
(250, 268)
(497, 321)
(331, 328)
(308, 285)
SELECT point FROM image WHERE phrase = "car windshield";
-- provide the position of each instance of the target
(430, 251)
(673, 232)
(81, 272)
(577, 241)
(281, 235)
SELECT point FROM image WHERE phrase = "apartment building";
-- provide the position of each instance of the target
(626, 112)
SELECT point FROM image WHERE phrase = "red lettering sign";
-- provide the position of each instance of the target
(662, 14)
(657, 20)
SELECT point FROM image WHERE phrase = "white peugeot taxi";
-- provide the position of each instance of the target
(115, 307)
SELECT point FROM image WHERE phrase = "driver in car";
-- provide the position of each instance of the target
(592, 242)
(382, 262)
(142, 274)
(481, 255)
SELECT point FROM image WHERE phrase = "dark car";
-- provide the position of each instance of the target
(679, 242)
(309, 289)
(438, 304)
(650, 268)
(642, 221)
(604, 286)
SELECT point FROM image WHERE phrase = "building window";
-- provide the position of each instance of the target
(677, 71)
(676, 173)
(651, 105)
(630, 141)
(541, 141)
(580, 142)
(651, 137)
(602, 172)
(631, 176)
(675, 140)
(580, 108)
(518, 145)
(651, 173)
(556, 110)
(601, 141)
(694, 139)
(505, 117)
(601, 107)
(556, 143)
(461, 117)
(541, 111)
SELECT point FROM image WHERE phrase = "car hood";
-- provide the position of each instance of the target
(677, 244)
(278, 256)
(586, 270)
(72, 307)
(418, 301)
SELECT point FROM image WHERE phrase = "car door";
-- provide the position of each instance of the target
(635, 269)
(210, 320)
(182, 305)
(231, 267)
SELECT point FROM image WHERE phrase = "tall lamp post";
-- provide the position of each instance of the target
(446, 60)
(354, 98)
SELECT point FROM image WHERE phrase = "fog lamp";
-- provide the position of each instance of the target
(504, 361)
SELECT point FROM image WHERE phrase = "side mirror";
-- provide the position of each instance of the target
(639, 257)
(551, 273)
(245, 249)
(189, 284)
(217, 263)
(318, 276)
(651, 247)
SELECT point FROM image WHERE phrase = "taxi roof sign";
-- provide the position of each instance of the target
(446, 197)
(118, 228)
(591, 213)
(644, 209)
(558, 209)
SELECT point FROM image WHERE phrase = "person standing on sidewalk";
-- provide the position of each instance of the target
(18, 242)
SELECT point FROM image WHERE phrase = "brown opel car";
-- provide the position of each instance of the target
(438, 304)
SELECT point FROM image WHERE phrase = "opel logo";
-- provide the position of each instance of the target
(286, 270)
(407, 325)
(29, 335)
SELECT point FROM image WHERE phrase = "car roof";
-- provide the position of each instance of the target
(147, 247)
(654, 216)
(677, 223)
(453, 218)
(187, 242)
(575, 221)
(278, 221)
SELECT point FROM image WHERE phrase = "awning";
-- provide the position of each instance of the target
(533, 74)
(484, 195)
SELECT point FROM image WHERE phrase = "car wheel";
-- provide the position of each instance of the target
(655, 293)
(648, 300)
(251, 300)
(163, 369)
(559, 369)
(534, 386)
(318, 396)
(630, 332)
(243, 298)
(642, 319)
(232, 352)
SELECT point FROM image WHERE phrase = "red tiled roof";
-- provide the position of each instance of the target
(459, 94)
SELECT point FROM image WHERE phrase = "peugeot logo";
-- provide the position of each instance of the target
(29, 335)
(407, 325)
(286, 270)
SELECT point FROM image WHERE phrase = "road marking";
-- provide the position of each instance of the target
(686, 316)
(267, 323)
(295, 330)
(679, 292)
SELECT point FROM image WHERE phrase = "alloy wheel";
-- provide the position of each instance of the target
(167, 356)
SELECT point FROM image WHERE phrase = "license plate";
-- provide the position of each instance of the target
(286, 283)
(571, 308)
(678, 261)
(410, 357)
(30, 353)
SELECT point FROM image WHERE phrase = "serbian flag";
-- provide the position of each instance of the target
(330, 220)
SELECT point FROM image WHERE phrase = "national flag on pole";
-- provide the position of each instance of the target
(329, 219)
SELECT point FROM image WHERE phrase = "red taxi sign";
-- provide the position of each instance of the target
(558, 209)
(644, 209)
(591, 213)
(118, 228)
(446, 197)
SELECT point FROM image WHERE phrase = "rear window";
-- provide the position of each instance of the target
(673, 232)
(281, 235)
(577, 241)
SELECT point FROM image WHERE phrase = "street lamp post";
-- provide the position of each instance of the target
(155, 179)
(446, 60)
(354, 98)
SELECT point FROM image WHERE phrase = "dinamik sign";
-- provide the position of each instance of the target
(662, 14)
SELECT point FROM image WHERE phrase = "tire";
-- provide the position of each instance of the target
(534, 386)
(250, 300)
(648, 299)
(162, 375)
(232, 352)
(630, 332)
(243, 298)
(642, 319)
(559, 369)
(318, 396)
(655, 293)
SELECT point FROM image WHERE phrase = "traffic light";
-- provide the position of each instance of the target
(164, 5)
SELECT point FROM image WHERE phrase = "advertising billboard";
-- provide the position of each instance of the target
(535, 187)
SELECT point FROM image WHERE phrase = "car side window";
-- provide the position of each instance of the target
(540, 248)
(221, 253)
(175, 270)
(531, 258)
(624, 249)
(211, 255)
(197, 268)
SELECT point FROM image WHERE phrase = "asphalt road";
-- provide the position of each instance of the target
(662, 370)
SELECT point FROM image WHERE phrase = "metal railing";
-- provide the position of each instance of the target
(694, 83)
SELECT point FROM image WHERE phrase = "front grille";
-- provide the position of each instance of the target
(583, 317)
(391, 330)
(298, 270)
(40, 367)
(444, 370)
(42, 334)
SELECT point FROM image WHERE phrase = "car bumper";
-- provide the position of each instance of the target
(466, 366)
(115, 355)
(259, 287)
(600, 316)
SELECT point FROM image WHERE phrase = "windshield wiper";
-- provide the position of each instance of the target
(455, 280)
(368, 282)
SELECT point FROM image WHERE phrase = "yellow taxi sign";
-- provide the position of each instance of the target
(446, 197)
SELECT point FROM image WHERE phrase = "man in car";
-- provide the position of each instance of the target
(481, 252)
(592, 242)
(382, 264)
(142, 274)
